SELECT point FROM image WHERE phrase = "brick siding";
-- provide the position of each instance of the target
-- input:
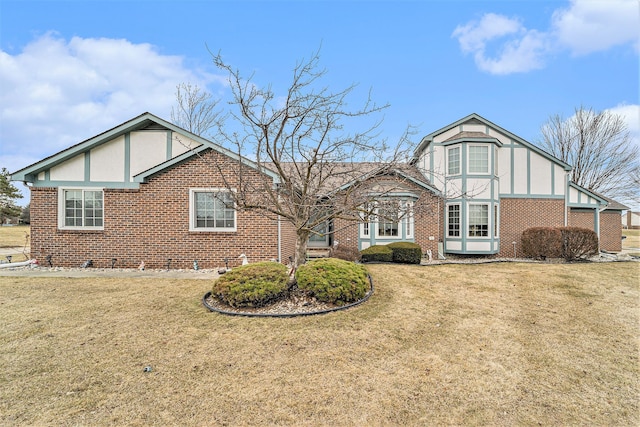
(151, 224)
(611, 231)
(516, 215)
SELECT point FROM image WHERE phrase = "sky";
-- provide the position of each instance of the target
(70, 70)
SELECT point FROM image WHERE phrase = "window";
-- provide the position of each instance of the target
(453, 161)
(407, 219)
(478, 220)
(212, 210)
(388, 220)
(453, 221)
(478, 159)
(81, 208)
(496, 214)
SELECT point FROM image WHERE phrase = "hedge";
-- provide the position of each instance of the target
(406, 252)
(570, 243)
(377, 253)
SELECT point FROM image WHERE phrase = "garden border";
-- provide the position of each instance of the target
(306, 313)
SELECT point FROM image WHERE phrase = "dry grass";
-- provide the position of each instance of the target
(500, 344)
(632, 240)
(12, 242)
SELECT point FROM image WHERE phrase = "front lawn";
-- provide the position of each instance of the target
(492, 344)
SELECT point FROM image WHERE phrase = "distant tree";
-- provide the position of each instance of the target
(8, 194)
(300, 135)
(25, 216)
(195, 110)
(599, 148)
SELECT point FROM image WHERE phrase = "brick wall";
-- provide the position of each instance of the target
(582, 218)
(151, 224)
(611, 231)
(516, 215)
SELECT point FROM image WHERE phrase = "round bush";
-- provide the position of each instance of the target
(333, 280)
(406, 252)
(253, 285)
(377, 253)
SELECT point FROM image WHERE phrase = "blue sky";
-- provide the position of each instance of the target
(72, 69)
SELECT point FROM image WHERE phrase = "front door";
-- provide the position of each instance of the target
(320, 237)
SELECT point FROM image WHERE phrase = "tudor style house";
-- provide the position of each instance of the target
(146, 191)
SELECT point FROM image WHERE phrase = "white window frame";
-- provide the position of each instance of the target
(489, 221)
(62, 209)
(459, 205)
(496, 220)
(405, 222)
(449, 150)
(486, 169)
(407, 219)
(193, 212)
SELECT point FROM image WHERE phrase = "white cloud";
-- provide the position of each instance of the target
(586, 26)
(594, 25)
(57, 92)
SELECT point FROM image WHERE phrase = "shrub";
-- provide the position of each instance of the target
(578, 243)
(542, 242)
(253, 285)
(379, 253)
(406, 252)
(333, 280)
(346, 253)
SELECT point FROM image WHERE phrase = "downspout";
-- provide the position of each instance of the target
(597, 223)
(279, 239)
(567, 190)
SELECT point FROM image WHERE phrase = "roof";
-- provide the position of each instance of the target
(426, 140)
(612, 205)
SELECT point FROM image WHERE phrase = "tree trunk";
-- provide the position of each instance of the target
(300, 254)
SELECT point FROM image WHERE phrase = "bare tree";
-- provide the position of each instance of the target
(195, 110)
(599, 147)
(301, 137)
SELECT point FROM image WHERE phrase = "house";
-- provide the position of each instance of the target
(631, 220)
(147, 190)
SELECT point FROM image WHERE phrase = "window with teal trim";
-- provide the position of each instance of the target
(478, 220)
(478, 159)
(453, 161)
(453, 221)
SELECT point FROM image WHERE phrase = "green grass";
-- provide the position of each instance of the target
(496, 344)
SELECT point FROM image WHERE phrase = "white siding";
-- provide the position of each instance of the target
(541, 171)
(453, 246)
(479, 188)
(478, 246)
(107, 161)
(148, 149)
(559, 179)
(520, 171)
(504, 169)
(474, 128)
(573, 195)
(181, 144)
(71, 170)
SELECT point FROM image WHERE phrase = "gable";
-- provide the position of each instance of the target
(118, 157)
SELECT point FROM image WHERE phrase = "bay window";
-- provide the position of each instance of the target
(478, 159)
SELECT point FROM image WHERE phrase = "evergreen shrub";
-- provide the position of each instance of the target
(252, 285)
(406, 252)
(377, 253)
(333, 280)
